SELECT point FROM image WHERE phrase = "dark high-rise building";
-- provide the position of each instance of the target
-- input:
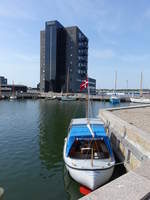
(3, 80)
(52, 54)
(63, 58)
(76, 58)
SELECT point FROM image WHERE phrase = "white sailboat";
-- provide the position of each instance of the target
(140, 99)
(114, 99)
(0, 92)
(87, 152)
(68, 98)
(13, 96)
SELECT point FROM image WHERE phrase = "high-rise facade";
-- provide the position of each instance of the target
(63, 58)
(52, 53)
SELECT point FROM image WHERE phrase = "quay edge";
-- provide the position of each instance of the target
(48, 95)
(132, 146)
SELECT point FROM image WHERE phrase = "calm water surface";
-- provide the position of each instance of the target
(31, 145)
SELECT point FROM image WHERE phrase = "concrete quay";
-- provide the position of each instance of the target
(129, 131)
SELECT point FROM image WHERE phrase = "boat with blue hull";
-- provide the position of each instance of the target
(114, 99)
(87, 152)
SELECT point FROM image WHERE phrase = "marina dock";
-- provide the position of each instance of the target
(79, 96)
(129, 130)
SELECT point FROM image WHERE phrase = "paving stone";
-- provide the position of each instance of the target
(127, 187)
(144, 169)
(139, 117)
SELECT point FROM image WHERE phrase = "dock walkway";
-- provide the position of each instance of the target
(139, 117)
(129, 130)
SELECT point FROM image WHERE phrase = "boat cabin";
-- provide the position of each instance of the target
(84, 149)
(82, 144)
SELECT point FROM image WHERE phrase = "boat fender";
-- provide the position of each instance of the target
(84, 190)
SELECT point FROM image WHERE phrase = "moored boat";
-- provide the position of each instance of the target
(140, 100)
(87, 153)
(13, 97)
(68, 98)
(114, 99)
(51, 98)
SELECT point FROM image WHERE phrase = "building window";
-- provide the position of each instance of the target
(80, 35)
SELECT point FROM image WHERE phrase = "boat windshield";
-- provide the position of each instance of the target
(85, 149)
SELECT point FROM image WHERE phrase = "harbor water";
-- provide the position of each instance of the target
(32, 135)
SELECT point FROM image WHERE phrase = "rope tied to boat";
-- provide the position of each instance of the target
(122, 163)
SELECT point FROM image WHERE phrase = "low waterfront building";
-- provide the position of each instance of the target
(3, 80)
(16, 88)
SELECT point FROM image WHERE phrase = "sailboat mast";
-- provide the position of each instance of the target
(13, 90)
(141, 83)
(115, 81)
(67, 89)
(0, 90)
(88, 98)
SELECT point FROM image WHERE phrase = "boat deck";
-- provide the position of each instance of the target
(79, 121)
(82, 149)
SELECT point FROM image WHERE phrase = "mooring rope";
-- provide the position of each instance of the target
(121, 163)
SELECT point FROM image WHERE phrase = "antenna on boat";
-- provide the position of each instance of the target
(67, 89)
(115, 81)
(13, 89)
(141, 83)
(0, 91)
(88, 98)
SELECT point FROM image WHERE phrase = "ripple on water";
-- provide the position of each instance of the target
(31, 143)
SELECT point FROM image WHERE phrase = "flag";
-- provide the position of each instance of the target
(84, 84)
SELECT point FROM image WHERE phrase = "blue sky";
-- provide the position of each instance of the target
(118, 32)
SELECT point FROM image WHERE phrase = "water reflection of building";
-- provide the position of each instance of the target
(54, 120)
(52, 133)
